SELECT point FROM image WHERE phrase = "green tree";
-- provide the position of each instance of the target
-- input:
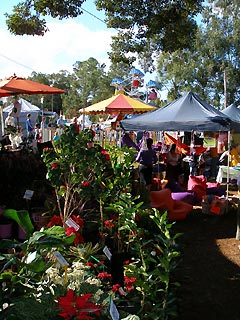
(145, 27)
(90, 82)
(28, 16)
(50, 102)
(215, 53)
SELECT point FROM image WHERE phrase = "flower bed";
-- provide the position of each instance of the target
(103, 255)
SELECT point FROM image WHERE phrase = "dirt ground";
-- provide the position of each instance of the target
(209, 272)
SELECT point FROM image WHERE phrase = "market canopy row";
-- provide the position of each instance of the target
(187, 113)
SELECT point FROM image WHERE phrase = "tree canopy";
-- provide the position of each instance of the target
(211, 66)
(143, 25)
(28, 16)
(146, 27)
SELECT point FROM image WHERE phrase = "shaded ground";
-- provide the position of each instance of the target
(209, 272)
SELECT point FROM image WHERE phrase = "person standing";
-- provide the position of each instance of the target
(29, 127)
(146, 159)
(60, 121)
(173, 169)
(16, 110)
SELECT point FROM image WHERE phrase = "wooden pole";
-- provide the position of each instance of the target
(225, 88)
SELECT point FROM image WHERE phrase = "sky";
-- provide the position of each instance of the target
(67, 41)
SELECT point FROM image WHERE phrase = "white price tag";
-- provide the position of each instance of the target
(71, 223)
(28, 194)
(60, 258)
(107, 253)
(114, 311)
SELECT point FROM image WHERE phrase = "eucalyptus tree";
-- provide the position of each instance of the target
(50, 102)
(90, 82)
(211, 67)
(147, 27)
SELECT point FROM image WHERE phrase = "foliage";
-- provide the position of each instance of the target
(86, 84)
(69, 279)
(214, 54)
(155, 256)
(149, 26)
(90, 83)
(80, 171)
(26, 16)
(22, 218)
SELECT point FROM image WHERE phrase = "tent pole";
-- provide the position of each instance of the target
(229, 144)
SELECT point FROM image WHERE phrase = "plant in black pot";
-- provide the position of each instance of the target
(6, 225)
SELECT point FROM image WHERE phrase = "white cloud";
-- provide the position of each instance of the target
(65, 43)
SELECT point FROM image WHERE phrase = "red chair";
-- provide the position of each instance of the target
(176, 209)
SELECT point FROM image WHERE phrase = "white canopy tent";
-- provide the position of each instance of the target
(26, 107)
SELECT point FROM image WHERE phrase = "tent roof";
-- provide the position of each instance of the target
(184, 114)
(26, 106)
(233, 112)
(119, 103)
(17, 85)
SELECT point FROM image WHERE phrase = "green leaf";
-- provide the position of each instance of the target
(22, 218)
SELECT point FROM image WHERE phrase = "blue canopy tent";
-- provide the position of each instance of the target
(184, 114)
(233, 112)
(188, 113)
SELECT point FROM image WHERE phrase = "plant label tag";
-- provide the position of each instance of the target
(73, 224)
(122, 292)
(60, 259)
(31, 257)
(28, 194)
(107, 253)
(114, 311)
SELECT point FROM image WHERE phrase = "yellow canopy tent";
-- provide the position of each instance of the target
(119, 104)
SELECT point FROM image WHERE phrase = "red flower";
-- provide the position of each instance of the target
(55, 221)
(67, 305)
(89, 264)
(104, 275)
(63, 187)
(105, 154)
(129, 282)
(129, 279)
(54, 165)
(77, 307)
(109, 224)
(115, 287)
(85, 184)
(78, 220)
(78, 239)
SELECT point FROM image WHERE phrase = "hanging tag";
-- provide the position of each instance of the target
(28, 194)
(114, 311)
(122, 292)
(60, 259)
(107, 253)
(71, 223)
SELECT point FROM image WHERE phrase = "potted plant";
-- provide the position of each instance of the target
(6, 225)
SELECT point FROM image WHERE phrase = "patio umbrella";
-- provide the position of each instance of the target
(16, 85)
(119, 104)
